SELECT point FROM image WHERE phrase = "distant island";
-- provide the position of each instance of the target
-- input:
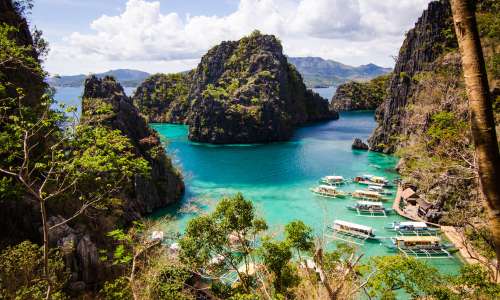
(126, 77)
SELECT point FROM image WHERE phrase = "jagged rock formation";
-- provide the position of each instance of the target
(422, 46)
(31, 82)
(359, 145)
(165, 184)
(241, 92)
(360, 95)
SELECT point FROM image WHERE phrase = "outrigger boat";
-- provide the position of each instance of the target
(373, 180)
(415, 227)
(333, 180)
(421, 246)
(418, 243)
(375, 209)
(368, 195)
(379, 189)
(329, 191)
(352, 232)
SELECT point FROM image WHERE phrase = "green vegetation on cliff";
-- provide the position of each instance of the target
(241, 92)
(361, 95)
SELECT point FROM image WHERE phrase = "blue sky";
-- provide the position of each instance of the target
(171, 36)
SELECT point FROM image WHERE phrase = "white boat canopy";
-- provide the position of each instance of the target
(328, 187)
(370, 203)
(353, 225)
(368, 176)
(375, 187)
(414, 224)
(378, 178)
(334, 177)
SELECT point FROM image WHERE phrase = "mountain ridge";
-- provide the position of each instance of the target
(324, 72)
(126, 77)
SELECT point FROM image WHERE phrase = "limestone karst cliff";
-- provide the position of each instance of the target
(422, 46)
(360, 95)
(165, 184)
(241, 92)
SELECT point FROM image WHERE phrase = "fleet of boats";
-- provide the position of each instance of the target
(416, 237)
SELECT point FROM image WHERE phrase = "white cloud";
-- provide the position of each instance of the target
(326, 28)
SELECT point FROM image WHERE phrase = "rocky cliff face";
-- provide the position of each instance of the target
(21, 76)
(422, 46)
(165, 184)
(241, 92)
(360, 95)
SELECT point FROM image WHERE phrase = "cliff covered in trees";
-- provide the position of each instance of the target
(241, 92)
(360, 95)
(76, 180)
(422, 46)
(165, 184)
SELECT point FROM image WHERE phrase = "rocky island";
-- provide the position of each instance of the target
(241, 92)
(355, 95)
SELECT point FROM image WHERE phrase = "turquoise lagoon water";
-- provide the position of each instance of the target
(277, 176)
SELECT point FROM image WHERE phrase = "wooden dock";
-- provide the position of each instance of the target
(402, 214)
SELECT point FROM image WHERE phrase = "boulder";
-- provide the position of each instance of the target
(359, 145)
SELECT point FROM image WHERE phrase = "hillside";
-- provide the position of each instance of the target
(241, 92)
(126, 77)
(361, 95)
(320, 72)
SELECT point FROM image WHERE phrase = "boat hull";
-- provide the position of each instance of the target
(386, 210)
(410, 230)
(419, 248)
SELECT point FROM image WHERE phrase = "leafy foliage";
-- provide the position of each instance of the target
(22, 275)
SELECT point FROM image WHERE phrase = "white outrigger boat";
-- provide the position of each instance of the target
(329, 191)
(368, 195)
(375, 209)
(352, 232)
(373, 180)
(421, 246)
(379, 189)
(333, 180)
(411, 227)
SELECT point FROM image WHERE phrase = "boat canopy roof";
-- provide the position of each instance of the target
(353, 225)
(335, 177)
(328, 187)
(375, 187)
(373, 193)
(379, 178)
(414, 224)
(418, 238)
(368, 176)
(370, 203)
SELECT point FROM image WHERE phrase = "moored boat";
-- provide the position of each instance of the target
(373, 180)
(418, 243)
(329, 191)
(354, 229)
(375, 209)
(368, 195)
(379, 189)
(416, 227)
(333, 180)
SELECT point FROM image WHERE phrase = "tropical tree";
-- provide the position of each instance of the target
(481, 112)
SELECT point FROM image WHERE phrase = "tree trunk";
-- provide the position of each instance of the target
(46, 251)
(481, 112)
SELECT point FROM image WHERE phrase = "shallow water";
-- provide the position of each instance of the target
(278, 175)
